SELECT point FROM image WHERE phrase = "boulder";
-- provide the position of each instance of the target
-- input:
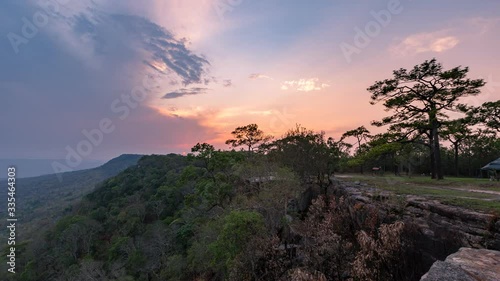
(466, 265)
(442, 271)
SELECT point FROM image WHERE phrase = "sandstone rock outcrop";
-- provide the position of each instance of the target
(435, 220)
(466, 265)
(440, 229)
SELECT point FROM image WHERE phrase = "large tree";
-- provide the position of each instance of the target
(421, 99)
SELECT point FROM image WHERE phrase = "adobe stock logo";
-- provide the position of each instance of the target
(363, 37)
(30, 28)
(223, 6)
(280, 121)
(121, 108)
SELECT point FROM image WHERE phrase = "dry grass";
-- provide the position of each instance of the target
(477, 194)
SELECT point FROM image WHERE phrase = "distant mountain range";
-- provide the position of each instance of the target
(37, 167)
(41, 200)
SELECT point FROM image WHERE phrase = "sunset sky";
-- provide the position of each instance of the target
(162, 75)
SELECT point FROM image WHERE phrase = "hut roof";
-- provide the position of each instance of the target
(494, 165)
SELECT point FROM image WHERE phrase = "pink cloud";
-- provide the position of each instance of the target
(435, 42)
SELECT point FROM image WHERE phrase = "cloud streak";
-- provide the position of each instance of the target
(259, 76)
(304, 85)
(161, 50)
(435, 42)
(185, 92)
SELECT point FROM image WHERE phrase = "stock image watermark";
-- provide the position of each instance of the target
(11, 219)
(364, 36)
(222, 7)
(490, 90)
(491, 85)
(280, 121)
(30, 26)
(121, 107)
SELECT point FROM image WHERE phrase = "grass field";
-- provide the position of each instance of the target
(477, 194)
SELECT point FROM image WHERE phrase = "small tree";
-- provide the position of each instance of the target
(339, 154)
(456, 132)
(215, 186)
(249, 136)
(479, 148)
(360, 134)
(307, 153)
(204, 152)
(237, 230)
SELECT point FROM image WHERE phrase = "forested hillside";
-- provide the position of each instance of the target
(44, 199)
(223, 215)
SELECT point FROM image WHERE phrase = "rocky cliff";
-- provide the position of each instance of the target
(440, 229)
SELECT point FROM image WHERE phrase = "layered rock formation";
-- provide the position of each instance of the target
(435, 220)
(440, 229)
(466, 265)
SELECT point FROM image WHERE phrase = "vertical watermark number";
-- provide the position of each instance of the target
(11, 218)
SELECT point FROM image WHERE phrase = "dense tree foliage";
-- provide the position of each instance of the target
(46, 198)
(214, 215)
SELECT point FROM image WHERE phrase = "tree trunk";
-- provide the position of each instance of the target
(359, 148)
(409, 169)
(436, 151)
(469, 164)
(456, 158)
(431, 152)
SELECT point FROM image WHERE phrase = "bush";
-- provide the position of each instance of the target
(238, 228)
